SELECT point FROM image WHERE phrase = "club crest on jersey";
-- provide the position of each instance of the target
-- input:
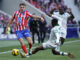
(19, 20)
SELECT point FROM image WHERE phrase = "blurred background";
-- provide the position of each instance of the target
(38, 7)
(41, 8)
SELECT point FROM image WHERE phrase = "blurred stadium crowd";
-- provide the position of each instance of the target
(47, 6)
(77, 3)
(3, 19)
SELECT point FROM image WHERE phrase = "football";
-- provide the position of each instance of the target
(15, 52)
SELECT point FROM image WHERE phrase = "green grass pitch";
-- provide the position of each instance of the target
(8, 45)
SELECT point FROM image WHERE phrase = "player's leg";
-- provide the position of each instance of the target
(33, 33)
(47, 45)
(23, 46)
(24, 34)
(63, 35)
(37, 49)
(41, 36)
(62, 40)
(20, 37)
(28, 38)
(62, 53)
(38, 34)
(29, 42)
(44, 34)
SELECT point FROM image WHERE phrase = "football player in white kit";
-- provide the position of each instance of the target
(62, 17)
(53, 42)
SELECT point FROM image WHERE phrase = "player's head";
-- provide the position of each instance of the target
(61, 10)
(22, 6)
(54, 22)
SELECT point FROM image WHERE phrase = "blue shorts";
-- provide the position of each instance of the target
(23, 33)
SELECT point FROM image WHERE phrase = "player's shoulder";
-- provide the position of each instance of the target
(55, 13)
(56, 27)
(53, 28)
(67, 14)
(16, 12)
(28, 12)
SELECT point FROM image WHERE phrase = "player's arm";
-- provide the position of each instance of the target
(70, 16)
(37, 17)
(49, 14)
(55, 16)
(10, 22)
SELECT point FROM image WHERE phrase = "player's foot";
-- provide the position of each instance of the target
(23, 55)
(30, 52)
(70, 55)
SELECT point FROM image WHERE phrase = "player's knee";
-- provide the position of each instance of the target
(55, 52)
(29, 40)
(21, 41)
(37, 49)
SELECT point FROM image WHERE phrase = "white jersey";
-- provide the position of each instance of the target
(62, 19)
(53, 39)
(55, 34)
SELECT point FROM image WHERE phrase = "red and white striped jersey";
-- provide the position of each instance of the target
(21, 20)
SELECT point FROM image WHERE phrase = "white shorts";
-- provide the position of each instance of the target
(50, 45)
(63, 33)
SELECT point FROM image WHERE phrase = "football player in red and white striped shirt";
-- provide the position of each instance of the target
(21, 18)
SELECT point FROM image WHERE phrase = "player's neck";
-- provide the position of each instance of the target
(61, 13)
(57, 25)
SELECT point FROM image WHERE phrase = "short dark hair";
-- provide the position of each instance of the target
(54, 21)
(22, 4)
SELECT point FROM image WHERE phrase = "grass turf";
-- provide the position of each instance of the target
(41, 55)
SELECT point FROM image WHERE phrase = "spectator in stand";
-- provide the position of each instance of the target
(8, 32)
(34, 25)
(52, 5)
(47, 5)
(29, 23)
(75, 2)
(43, 29)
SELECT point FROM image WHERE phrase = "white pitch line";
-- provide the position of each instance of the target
(35, 47)
(72, 42)
(10, 51)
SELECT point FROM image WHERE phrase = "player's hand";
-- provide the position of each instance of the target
(42, 20)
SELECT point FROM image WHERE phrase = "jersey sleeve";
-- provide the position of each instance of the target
(55, 13)
(55, 16)
(14, 15)
(29, 14)
(67, 15)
